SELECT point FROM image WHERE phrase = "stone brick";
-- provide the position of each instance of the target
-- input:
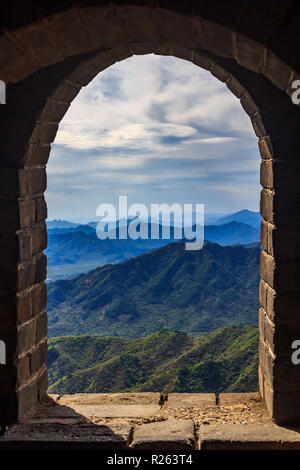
(235, 87)
(217, 39)
(23, 370)
(83, 74)
(54, 111)
(66, 91)
(229, 399)
(284, 242)
(280, 274)
(198, 400)
(267, 330)
(40, 268)
(202, 61)
(26, 275)
(38, 357)
(44, 133)
(46, 435)
(24, 306)
(265, 148)
(41, 326)
(284, 304)
(27, 336)
(263, 294)
(277, 71)
(264, 237)
(39, 238)
(20, 183)
(38, 180)
(42, 383)
(261, 382)
(249, 105)
(249, 53)
(40, 209)
(258, 125)
(279, 174)
(27, 396)
(266, 361)
(37, 155)
(38, 298)
(283, 407)
(72, 32)
(267, 268)
(173, 434)
(25, 246)
(220, 73)
(251, 437)
(122, 398)
(266, 205)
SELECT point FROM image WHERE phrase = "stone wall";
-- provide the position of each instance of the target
(47, 54)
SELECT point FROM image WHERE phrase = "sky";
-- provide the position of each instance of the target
(159, 130)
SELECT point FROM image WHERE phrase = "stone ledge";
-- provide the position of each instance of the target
(238, 398)
(141, 398)
(173, 434)
(46, 436)
(248, 437)
(198, 400)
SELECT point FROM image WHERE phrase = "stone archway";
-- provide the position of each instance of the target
(45, 59)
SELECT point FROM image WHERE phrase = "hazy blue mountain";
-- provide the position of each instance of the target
(192, 291)
(245, 216)
(75, 250)
(232, 233)
(57, 223)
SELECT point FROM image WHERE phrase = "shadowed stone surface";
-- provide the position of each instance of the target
(173, 434)
(47, 54)
(66, 436)
(248, 437)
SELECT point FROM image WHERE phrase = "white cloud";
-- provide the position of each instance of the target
(127, 128)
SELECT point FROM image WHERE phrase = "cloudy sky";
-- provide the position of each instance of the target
(157, 129)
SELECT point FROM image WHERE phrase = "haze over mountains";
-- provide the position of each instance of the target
(245, 216)
(192, 291)
(73, 249)
(153, 316)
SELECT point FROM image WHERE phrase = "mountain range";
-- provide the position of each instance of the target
(166, 361)
(73, 250)
(191, 291)
(245, 216)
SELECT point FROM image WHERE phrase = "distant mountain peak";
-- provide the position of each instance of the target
(244, 216)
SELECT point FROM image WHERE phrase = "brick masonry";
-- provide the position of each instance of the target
(46, 58)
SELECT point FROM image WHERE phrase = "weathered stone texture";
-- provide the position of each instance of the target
(46, 60)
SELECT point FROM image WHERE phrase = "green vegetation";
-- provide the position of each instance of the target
(191, 291)
(225, 360)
